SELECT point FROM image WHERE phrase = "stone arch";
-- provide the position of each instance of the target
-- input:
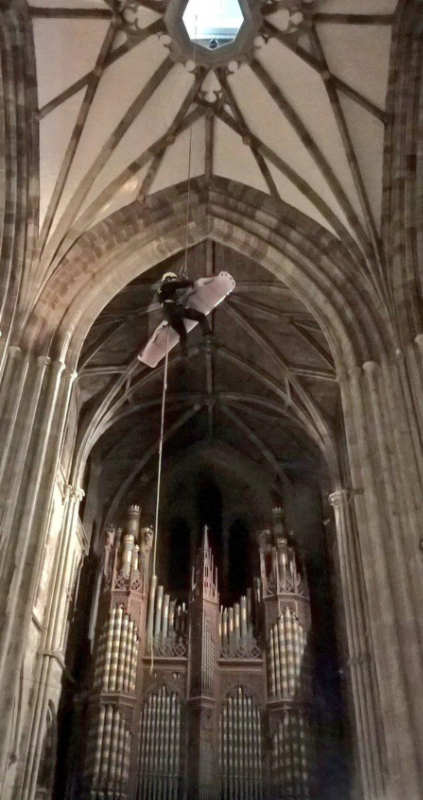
(46, 769)
(320, 270)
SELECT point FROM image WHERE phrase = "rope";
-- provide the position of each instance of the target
(188, 201)
(188, 209)
(159, 483)
(164, 390)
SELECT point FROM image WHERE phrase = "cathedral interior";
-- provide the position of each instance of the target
(211, 570)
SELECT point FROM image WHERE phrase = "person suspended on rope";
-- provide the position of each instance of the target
(182, 299)
(174, 309)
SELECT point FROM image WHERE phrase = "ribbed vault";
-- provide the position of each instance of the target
(317, 72)
(302, 312)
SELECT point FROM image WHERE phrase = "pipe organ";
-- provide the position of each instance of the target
(192, 700)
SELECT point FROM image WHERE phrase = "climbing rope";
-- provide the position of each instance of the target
(188, 208)
(159, 483)
(188, 202)
(163, 406)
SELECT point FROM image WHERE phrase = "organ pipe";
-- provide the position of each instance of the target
(165, 622)
(288, 660)
(127, 552)
(125, 659)
(158, 612)
(160, 746)
(240, 748)
(151, 608)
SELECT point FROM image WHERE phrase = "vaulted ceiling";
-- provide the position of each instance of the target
(124, 113)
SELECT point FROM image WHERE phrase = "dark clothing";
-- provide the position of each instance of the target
(175, 312)
(168, 292)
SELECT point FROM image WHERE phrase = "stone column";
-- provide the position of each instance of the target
(34, 396)
(379, 428)
(52, 640)
(368, 734)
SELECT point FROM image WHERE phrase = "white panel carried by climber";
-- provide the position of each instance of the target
(182, 299)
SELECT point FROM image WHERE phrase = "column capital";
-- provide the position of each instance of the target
(44, 361)
(15, 351)
(74, 492)
(370, 367)
(339, 497)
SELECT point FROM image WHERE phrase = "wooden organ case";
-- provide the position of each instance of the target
(194, 701)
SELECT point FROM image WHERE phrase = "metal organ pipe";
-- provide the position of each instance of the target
(135, 646)
(284, 661)
(160, 741)
(237, 624)
(171, 755)
(158, 615)
(250, 751)
(127, 757)
(108, 649)
(121, 754)
(128, 548)
(231, 627)
(132, 642)
(98, 734)
(111, 682)
(151, 608)
(250, 611)
(172, 604)
(136, 559)
(243, 618)
(290, 653)
(121, 653)
(113, 750)
(105, 750)
(128, 657)
(101, 655)
(240, 748)
(279, 649)
(165, 619)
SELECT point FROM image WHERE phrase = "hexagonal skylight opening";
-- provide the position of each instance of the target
(213, 24)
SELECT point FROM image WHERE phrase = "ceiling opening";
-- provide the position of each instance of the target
(211, 25)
